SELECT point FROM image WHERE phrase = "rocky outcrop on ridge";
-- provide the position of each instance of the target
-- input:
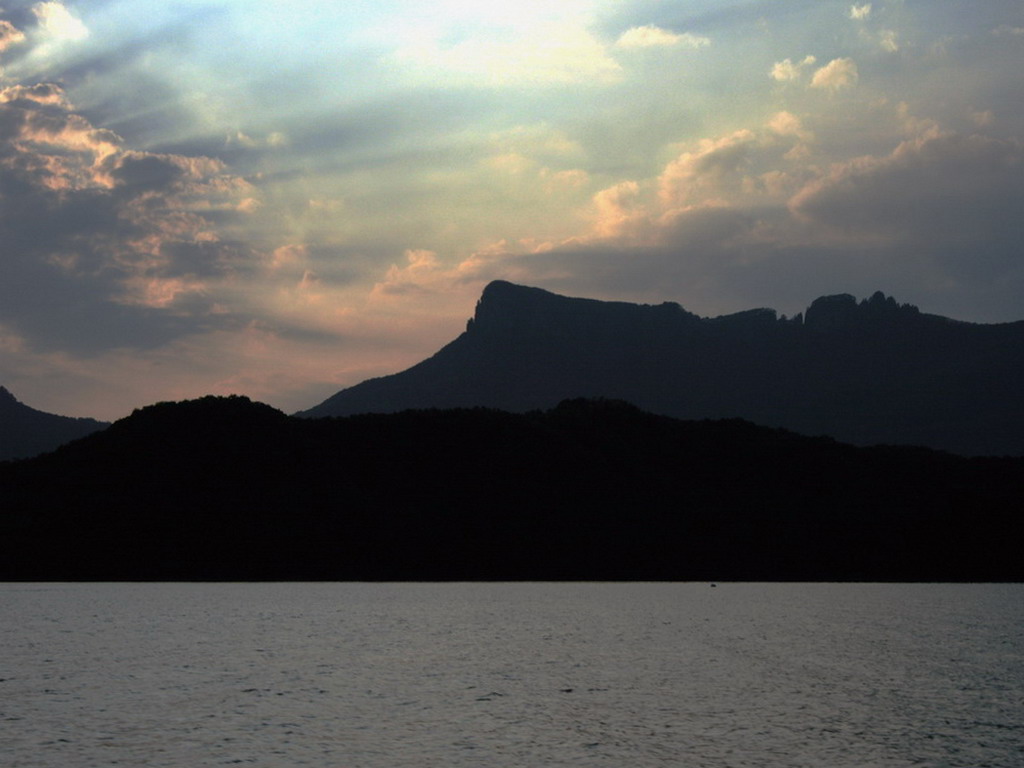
(866, 372)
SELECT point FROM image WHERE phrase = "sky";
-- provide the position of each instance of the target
(283, 199)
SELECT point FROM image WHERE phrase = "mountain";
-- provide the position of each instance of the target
(228, 489)
(866, 372)
(26, 432)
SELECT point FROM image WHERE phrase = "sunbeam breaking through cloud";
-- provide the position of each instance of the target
(213, 197)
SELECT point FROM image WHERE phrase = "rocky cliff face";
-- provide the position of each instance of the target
(508, 308)
(831, 313)
(866, 372)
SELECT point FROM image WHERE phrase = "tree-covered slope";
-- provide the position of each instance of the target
(222, 488)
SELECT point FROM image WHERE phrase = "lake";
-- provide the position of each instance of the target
(551, 674)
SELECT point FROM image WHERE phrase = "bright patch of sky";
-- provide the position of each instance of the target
(282, 199)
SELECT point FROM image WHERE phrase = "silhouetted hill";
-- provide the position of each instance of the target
(26, 432)
(867, 373)
(223, 488)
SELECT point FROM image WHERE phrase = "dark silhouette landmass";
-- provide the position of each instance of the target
(228, 489)
(865, 373)
(26, 432)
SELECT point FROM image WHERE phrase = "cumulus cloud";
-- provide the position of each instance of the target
(58, 23)
(887, 39)
(836, 75)
(618, 210)
(860, 12)
(741, 214)
(712, 169)
(357, 224)
(41, 93)
(737, 167)
(786, 69)
(787, 124)
(9, 35)
(114, 228)
(650, 36)
(421, 268)
(686, 231)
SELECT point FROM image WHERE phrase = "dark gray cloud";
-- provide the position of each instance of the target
(104, 247)
(957, 197)
(141, 172)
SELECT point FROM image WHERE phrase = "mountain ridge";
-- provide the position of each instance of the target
(222, 488)
(866, 372)
(26, 432)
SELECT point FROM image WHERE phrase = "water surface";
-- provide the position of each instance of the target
(511, 675)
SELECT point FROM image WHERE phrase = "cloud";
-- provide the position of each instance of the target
(708, 170)
(421, 268)
(9, 35)
(539, 141)
(650, 36)
(983, 118)
(786, 70)
(737, 167)
(887, 39)
(685, 256)
(787, 124)
(58, 23)
(106, 246)
(618, 210)
(47, 146)
(224, 202)
(41, 93)
(836, 75)
(274, 139)
(542, 55)
(695, 228)
(860, 12)
(932, 188)
(743, 215)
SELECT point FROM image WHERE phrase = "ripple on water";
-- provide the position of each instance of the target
(511, 675)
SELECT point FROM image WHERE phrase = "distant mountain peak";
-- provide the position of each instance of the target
(504, 287)
(504, 306)
(828, 313)
(503, 303)
(862, 371)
